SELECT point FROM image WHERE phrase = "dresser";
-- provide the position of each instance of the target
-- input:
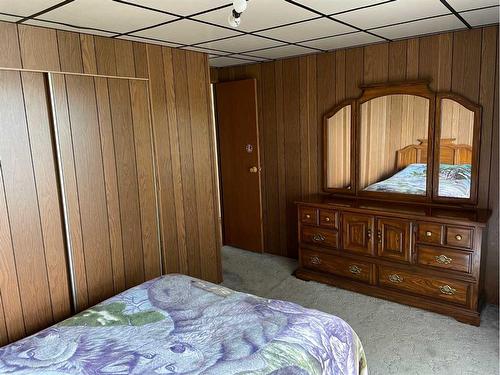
(428, 257)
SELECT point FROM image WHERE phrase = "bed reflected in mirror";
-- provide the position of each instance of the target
(338, 149)
(455, 150)
(393, 144)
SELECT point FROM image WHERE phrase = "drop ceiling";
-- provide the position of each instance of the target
(269, 29)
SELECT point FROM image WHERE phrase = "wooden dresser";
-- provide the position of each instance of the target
(428, 257)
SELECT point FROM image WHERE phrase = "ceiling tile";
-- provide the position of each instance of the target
(329, 7)
(226, 61)
(241, 43)
(308, 30)
(285, 51)
(184, 7)
(342, 41)
(144, 40)
(106, 14)
(261, 14)
(51, 25)
(7, 18)
(25, 8)
(187, 32)
(394, 12)
(428, 26)
(460, 5)
(480, 17)
(207, 50)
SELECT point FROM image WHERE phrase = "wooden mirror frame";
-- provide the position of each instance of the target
(476, 145)
(418, 88)
(326, 117)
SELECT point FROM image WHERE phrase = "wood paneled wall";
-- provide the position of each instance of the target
(110, 167)
(295, 93)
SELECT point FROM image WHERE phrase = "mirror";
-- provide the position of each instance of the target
(393, 144)
(338, 149)
(455, 150)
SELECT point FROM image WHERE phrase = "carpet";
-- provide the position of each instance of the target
(398, 339)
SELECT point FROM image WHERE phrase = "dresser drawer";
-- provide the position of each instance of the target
(443, 258)
(319, 236)
(430, 233)
(459, 237)
(328, 218)
(439, 288)
(308, 215)
(353, 269)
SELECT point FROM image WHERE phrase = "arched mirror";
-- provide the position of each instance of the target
(393, 145)
(457, 149)
(338, 136)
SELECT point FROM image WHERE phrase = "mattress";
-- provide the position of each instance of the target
(180, 325)
(454, 181)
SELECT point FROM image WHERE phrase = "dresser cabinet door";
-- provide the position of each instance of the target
(358, 233)
(393, 239)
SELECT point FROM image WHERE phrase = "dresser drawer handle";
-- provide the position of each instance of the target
(327, 219)
(315, 260)
(443, 259)
(428, 233)
(308, 216)
(448, 290)
(354, 269)
(369, 234)
(395, 278)
(458, 237)
(318, 238)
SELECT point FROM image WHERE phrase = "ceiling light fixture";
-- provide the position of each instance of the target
(239, 6)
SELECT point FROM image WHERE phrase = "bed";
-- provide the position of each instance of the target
(454, 171)
(176, 324)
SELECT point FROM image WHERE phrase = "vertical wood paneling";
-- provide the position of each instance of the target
(44, 167)
(125, 60)
(126, 168)
(88, 54)
(145, 176)
(10, 55)
(354, 70)
(466, 63)
(376, 64)
(140, 60)
(435, 58)
(111, 181)
(187, 163)
(22, 205)
(70, 53)
(168, 188)
(412, 58)
(105, 56)
(397, 60)
(38, 48)
(4, 337)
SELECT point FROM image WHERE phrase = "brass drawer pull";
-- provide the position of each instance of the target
(369, 234)
(443, 259)
(315, 260)
(327, 219)
(354, 269)
(318, 238)
(379, 236)
(448, 290)
(395, 278)
(458, 237)
(428, 233)
(308, 216)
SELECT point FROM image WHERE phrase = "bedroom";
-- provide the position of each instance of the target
(109, 179)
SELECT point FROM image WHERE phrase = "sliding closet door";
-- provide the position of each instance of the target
(104, 135)
(34, 288)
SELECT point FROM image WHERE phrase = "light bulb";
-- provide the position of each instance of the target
(240, 5)
(233, 21)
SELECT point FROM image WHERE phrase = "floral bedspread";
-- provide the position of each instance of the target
(454, 181)
(180, 325)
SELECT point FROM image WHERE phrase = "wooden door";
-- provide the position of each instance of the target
(240, 164)
(104, 134)
(393, 239)
(34, 290)
(358, 233)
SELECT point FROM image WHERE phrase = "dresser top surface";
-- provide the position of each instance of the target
(476, 216)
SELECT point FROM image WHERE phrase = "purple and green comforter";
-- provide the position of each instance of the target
(454, 181)
(180, 325)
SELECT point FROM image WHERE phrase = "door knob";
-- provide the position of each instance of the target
(254, 170)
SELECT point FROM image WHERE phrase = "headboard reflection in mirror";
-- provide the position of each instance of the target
(390, 124)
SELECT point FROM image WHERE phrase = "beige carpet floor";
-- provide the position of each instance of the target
(397, 339)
